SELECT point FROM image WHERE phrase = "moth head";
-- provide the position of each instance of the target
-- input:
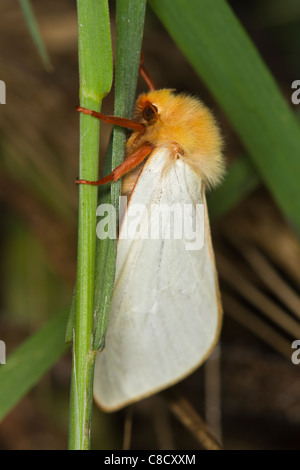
(146, 111)
(150, 107)
(177, 118)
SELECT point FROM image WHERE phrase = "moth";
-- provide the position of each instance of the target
(166, 311)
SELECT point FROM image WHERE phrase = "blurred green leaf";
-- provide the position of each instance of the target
(218, 47)
(30, 361)
(35, 32)
(240, 180)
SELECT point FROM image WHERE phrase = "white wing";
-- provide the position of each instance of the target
(165, 315)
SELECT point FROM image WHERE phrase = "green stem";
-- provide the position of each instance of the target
(95, 67)
(130, 15)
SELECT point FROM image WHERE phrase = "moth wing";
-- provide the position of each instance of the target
(165, 316)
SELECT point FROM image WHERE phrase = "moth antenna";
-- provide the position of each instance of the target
(144, 73)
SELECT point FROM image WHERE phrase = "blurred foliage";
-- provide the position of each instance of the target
(38, 167)
(35, 32)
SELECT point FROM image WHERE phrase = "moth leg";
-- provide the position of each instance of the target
(116, 120)
(131, 162)
(176, 150)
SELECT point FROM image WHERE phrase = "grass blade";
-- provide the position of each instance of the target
(27, 365)
(35, 32)
(130, 22)
(218, 47)
(95, 67)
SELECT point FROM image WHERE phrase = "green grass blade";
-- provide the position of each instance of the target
(130, 22)
(95, 68)
(30, 361)
(105, 264)
(218, 47)
(35, 32)
(104, 276)
(240, 180)
(71, 318)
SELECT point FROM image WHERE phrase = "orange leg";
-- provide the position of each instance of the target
(131, 162)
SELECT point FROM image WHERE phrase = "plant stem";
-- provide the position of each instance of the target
(95, 68)
(130, 15)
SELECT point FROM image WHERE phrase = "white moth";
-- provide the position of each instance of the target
(166, 311)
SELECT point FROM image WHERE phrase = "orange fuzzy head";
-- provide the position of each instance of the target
(183, 120)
